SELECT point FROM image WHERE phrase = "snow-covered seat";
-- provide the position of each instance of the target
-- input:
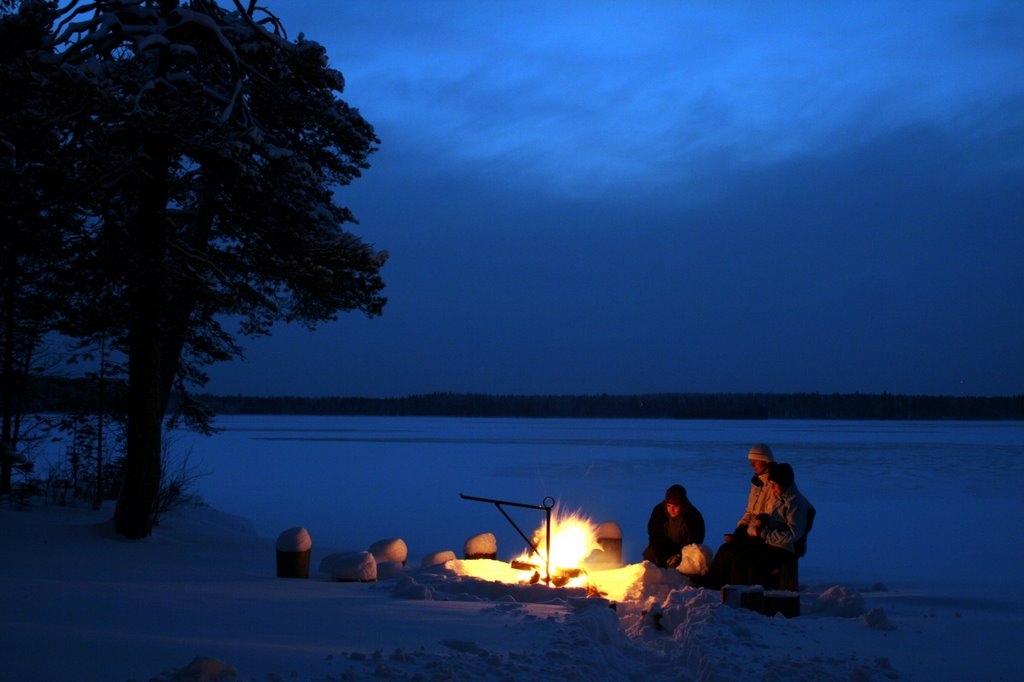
(481, 546)
(390, 549)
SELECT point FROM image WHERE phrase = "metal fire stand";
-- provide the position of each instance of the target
(545, 506)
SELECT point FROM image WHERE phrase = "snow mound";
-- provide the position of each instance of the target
(841, 601)
(878, 619)
(481, 546)
(663, 628)
(294, 540)
(437, 558)
(201, 669)
(391, 549)
(200, 523)
(696, 560)
(350, 566)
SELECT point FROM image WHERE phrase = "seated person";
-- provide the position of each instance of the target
(760, 500)
(770, 537)
(762, 497)
(674, 523)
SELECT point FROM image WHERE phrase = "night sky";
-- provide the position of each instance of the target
(611, 197)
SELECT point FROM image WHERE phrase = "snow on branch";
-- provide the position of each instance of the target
(249, 15)
(98, 30)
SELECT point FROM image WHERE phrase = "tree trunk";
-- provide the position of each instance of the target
(7, 396)
(181, 304)
(133, 516)
(101, 414)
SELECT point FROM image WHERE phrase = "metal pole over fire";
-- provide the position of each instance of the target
(545, 506)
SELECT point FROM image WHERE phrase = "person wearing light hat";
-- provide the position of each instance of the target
(762, 497)
(775, 535)
(761, 500)
(674, 523)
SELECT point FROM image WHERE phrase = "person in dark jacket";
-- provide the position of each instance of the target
(674, 523)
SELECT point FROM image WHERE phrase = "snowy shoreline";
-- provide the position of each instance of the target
(81, 603)
(909, 515)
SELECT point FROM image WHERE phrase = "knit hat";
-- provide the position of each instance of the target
(676, 494)
(781, 473)
(760, 452)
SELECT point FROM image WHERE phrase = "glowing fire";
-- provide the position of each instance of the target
(573, 538)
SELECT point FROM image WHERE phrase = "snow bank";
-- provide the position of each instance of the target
(186, 604)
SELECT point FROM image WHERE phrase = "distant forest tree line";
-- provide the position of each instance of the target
(653, 406)
(66, 395)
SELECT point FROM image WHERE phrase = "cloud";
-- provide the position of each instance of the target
(679, 196)
(881, 268)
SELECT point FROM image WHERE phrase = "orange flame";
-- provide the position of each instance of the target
(573, 538)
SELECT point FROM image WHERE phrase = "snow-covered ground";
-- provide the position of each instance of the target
(912, 572)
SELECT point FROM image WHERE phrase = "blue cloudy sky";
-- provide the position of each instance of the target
(586, 197)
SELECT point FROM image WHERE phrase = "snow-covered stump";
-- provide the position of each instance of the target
(350, 567)
(744, 597)
(391, 549)
(437, 558)
(782, 602)
(481, 546)
(609, 537)
(293, 549)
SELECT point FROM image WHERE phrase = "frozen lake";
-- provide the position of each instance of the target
(905, 503)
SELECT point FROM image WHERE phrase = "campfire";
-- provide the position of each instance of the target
(573, 538)
(556, 554)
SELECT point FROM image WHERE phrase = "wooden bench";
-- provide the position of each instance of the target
(787, 576)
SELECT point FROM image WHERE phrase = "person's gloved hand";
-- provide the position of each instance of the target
(674, 560)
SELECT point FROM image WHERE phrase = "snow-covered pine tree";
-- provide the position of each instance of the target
(212, 146)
